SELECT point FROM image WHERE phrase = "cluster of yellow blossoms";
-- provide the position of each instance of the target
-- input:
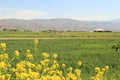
(48, 67)
(36, 42)
(3, 46)
(99, 73)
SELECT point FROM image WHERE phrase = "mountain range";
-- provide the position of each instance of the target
(59, 24)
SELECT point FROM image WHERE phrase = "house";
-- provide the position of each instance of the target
(101, 30)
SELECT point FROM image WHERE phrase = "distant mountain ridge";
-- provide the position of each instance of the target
(59, 25)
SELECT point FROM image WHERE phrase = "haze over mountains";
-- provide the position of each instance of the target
(59, 25)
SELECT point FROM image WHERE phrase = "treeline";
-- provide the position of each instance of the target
(15, 30)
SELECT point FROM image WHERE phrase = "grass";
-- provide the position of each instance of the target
(18, 34)
(92, 52)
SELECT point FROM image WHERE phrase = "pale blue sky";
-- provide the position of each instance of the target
(75, 9)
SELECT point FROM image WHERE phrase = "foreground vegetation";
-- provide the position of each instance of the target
(22, 34)
(79, 57)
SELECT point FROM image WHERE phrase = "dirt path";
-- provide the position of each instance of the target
(23, 38)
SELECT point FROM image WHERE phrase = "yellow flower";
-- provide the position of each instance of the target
(54, 66)
(106, 67)
(42, 62)
(70, 69)
(38, 67)
(16, 53)
(36, 42)
(54, 61)
(45, 55)
(8, 76)
(34, 74)
(44, 70)
(54, 56)
(23, 76)
(32, 65)
(79, 63)
(43, 78)
(59, 72)
(5, 56)
(93, 78)
(3, 45)
(30, 56)
(97, 69)
(103, 69)
(28, 51)
(2, 77)
(46, 60)
(63, 65)
(71, 76)
(1, 56)
(13, 69)
(100, 74)
(55, 77)
(2, 65)
(77, 71)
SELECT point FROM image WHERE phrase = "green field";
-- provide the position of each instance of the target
(20, 34)
(92, 52)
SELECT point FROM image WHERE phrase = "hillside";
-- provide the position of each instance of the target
(59, 25)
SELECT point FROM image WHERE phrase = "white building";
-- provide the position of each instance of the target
(99, 30)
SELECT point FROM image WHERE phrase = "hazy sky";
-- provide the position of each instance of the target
(75, 9)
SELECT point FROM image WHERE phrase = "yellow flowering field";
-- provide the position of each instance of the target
(48, 68)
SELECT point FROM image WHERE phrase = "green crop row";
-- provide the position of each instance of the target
(21, 34)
